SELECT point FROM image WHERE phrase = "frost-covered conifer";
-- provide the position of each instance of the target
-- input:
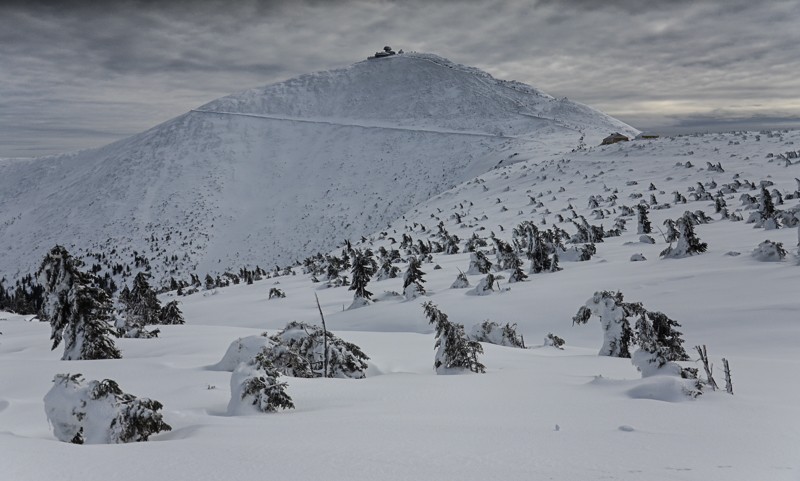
(672, 231)
(660, 345)
(454, 350)
(505, 254)
(644, 226)
(495, 333)
(461, 281)
(77, 310)
(98, 412)
(255, 387)
(387, 270)
(345, 359)
(141, 306)
(171, 314)
(766, 207)
(413, 279)
(484, 287)
(769, 251)
(539, 256)
(479, 263)
(364, 267)
(688, 244)
(518, 275)
(613, 312)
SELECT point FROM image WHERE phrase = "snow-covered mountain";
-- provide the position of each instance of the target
(271, 175)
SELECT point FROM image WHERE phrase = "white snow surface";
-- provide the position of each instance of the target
(270, 175)
(537, 413)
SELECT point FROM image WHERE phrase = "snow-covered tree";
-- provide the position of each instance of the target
(769, 251)
(495, 333)
(479, 263)
(413, 279)
(461, 281)
(255, 387)
(141, 304)
(387, 270)
(77, 310)
(454, 350)
(98, 412)
(345, 359)
(171, 314)
(485, 286)
(517, 274)
(505, 254)
(660, 345)
(364, 267)
(688, 243)
(555, 341)
(613, 313)
(643, 221)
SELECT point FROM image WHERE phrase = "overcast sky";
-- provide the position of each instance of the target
(76, 75)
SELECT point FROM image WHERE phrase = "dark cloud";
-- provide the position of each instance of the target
(76, 74)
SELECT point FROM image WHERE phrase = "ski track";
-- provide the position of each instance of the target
(357, 125)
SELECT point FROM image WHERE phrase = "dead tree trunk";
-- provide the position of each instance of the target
(728, 382)
(324, 339)
(709, 369)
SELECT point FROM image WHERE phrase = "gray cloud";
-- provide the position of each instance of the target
(80, 74)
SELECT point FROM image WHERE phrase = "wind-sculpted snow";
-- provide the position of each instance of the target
(274, 174)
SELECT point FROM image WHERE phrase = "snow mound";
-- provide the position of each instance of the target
(242, 350)
(661, 388)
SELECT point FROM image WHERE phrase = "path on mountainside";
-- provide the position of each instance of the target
(359, 125)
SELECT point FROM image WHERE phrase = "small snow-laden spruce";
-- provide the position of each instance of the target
(171, 314)
(769, 251)
(555, 341)
(688, 244)
(643, 222)
(517, 274)
(454, 350)
(78, 312)
(98, 412)
(141, 305)
(413, 279)
(387, 270)
(613, 313)
(479, 263)
(660, 343)
(485, 286)
(364, 267)
(345, 359)
(276, 293)
(505, 254)
(495, 333)
(461, 281)
(255, 388)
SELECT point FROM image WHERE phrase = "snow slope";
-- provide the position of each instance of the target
(270, 175)
(538, 413)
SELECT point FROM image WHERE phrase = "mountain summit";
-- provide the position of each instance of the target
(270, 175)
